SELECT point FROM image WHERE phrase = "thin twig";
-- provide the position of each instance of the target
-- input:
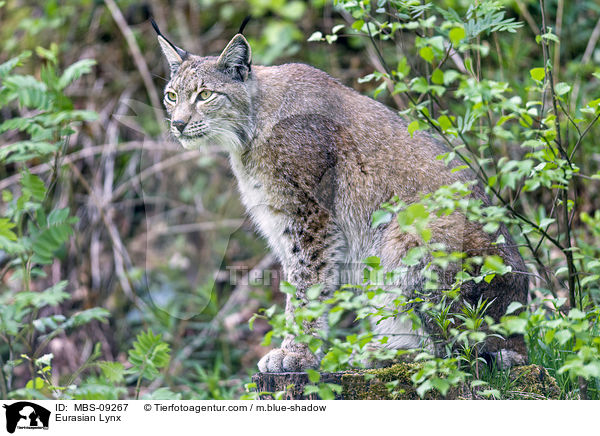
(239, 297)
(91, 151)
(528, 17)
(139, 60)
(156, 168)
(587, 55)
(565, 192)
(119, 250)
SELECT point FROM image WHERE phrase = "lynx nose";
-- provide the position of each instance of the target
(179, 125)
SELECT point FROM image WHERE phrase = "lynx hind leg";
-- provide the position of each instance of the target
(501, 292)
(398, 330)
(400, 335)
(506, 353)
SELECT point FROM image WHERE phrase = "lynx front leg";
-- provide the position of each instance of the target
(311, 260)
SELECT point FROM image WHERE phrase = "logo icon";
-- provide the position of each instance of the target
(26, 415)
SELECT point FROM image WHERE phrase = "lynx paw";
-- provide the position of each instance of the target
(283, 360)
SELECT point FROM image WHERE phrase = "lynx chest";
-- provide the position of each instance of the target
(261, 207)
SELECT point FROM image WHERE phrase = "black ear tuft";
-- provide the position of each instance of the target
(236, 58)
(155, 26)
(243, 26)
(175, 56)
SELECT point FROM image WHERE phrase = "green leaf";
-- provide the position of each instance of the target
(426, 53)
(314, 292)
(36, 383)
(44, 53)
(54, 322)
(114, 372)
(413, 127)
(45, 360)
(21, 151)
(399, 87)
(5, 229)
(494, 263)
(88, 315)
(576, 314)
(287, 288)
(515, 305)
(551, 37)
(7, 196)
(267, 339)
(52, 296)
(380, 217)
(562, 88)
(441, 385)
(29, 91)
(419, 84)
(270, 311)
(33, 186)
(164, 394)
(148, 355)
(437, 77)
(515, 325)
(358, 25)
(537, 74)
(372, 261)
(316, 36)
(292, 10)
(456, 35)
(337, 28)
(445, 122)
(75, 71)
(414, 212)
(331, 38)
(47, 241)
(7, 66)
(563, 336)
(313, 376)
(424, 388)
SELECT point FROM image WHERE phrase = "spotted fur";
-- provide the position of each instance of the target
(313, 160)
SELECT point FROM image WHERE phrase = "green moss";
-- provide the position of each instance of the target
(526, 382)
(533, 382)
(394, 383)
(372, 384)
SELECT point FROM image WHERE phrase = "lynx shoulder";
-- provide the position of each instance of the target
(313, 160)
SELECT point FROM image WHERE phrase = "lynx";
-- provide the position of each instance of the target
(313, 160)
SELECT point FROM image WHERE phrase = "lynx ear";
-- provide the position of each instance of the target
(175, 56)
(236, 58)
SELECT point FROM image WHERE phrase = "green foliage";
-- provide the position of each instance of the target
(148, 355)
(438, 374)
(32, 231)
(568, 343)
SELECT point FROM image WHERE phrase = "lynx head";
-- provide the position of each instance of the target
(208, 99)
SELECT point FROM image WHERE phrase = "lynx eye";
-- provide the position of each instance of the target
(171, 97)
(204, 95)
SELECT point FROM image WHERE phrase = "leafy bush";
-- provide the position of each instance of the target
(33, 232)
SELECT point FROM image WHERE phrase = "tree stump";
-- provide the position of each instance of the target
(526, 382)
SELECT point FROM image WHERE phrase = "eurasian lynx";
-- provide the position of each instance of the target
(313, 160)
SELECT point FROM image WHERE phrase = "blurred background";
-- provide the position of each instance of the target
(162, 241)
